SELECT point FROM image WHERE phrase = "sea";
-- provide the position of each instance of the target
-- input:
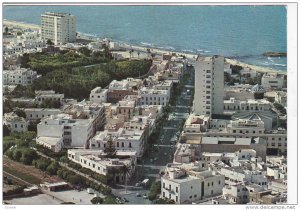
(239, 32)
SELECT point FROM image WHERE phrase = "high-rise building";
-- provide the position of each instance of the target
(58, 27)
(209, 85)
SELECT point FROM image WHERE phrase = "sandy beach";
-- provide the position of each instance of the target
(143, 49)
(21, 24)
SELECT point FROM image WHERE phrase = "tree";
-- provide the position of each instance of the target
(6, 30)
(19, 33)
(110, 200)
(125, 171)
(17, 154)
(20, 113)
(85, 51)
(49, 42)
(53, 168)
(155, 189)
(110, 149)
(6, 131)
(97, 200)
(138, 54)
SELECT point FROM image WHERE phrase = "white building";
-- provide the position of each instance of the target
(39, 113)
(97, 161)
(98, 95)
(209, 85)
(238, 174)
(19, 76)
(246, 126)
(257, 105)
(53, 143)
(272, 80)
(14, 122)
(236, 193)
(190, 186)
(153, 97)
(75, 133)
(44, 95)
(58, 27)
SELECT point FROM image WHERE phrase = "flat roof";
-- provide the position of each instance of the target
(49, 140)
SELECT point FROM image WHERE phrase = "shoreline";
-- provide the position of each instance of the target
(259, 69)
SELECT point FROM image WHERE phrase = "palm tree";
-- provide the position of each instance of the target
(138, 54)
(125, 171)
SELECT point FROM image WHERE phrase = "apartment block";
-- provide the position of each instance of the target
(58, 27)
(98, 95)
(209, 85)
(20, 76)
(14, 122)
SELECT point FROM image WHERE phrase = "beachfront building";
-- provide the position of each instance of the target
(209, 85)
(98, 95)
(20, 76)
(75, 132)
(58, 27)
(14, 122)
(149, 96)
(272, 80)
(48, 95)
(186, 186)
(101, 163)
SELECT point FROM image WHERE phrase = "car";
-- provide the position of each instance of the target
(138, 195)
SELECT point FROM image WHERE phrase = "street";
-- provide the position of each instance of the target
(163, 150)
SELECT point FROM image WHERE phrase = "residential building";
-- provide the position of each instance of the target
(53, 143)
(58, 27)
(209, 85)
(236, 193)
(99, 162)
(20, 76)
(75, 132)
(45, 95)
(187, 186)
(249, 105)
(39, 113)
(153, 97)
(98, 95)
(117, 90)
(14, 122)
(272, 80)
(238, 174)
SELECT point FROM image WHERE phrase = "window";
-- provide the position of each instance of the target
(164, 185)
(191, 197)
(169, 187)
(208, 184)
(122, 144)
(117, 144)
(191, 187)
(219, 181)
(177, 189)
(212, 192)
(212, 183)
(129, 144)
(195, 196)
(176, 198)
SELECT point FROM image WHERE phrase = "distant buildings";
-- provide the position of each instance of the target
(98, 95)
(281, 98)
(14, 122)
(20, 76)
(58, 27)
(272, 80)
(209, 85)
(48, 95)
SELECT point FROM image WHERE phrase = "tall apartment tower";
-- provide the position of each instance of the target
(58, 27)
(209, 85)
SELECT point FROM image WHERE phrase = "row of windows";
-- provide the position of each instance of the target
(241, 131)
